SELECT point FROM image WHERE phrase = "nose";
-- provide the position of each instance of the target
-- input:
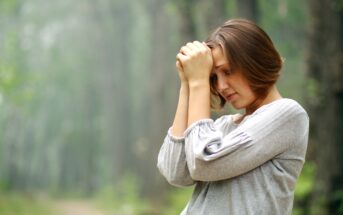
(222, 84)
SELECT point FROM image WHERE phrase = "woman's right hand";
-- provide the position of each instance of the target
(181, 73)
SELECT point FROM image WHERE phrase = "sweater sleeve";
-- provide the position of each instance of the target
(172, 161)
(270, 131)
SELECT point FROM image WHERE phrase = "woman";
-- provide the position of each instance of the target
(244, 163)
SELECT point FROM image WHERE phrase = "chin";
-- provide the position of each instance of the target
(238, 105)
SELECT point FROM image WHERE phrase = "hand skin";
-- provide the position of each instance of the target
(196, 60)
(194, 64)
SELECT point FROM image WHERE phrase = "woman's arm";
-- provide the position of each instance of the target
(172, 161)
(199, 101)
(180, 120)
(172, 157)
(197, 62)
(193, 68)
(270, 131)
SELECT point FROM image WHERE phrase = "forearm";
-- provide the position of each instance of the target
(199, 101)
(181, 115)
(172, 161)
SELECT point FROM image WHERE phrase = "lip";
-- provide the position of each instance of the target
(230, 97)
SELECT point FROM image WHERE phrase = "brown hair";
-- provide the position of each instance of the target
(247, 48)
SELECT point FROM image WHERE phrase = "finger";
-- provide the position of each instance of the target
(193, 46)
(179, 65)
(198, 44)
(201, 46)
(206, 45)
(186, 50)
(181, 57)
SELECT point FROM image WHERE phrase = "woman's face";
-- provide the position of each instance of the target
(231, 85)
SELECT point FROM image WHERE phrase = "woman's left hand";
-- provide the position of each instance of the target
(196, 60)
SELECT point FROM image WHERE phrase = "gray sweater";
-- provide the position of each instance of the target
(238, 169)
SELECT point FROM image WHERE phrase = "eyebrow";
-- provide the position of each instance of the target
(224, 64)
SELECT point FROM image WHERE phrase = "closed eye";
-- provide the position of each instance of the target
(213, 77)
(227, 71)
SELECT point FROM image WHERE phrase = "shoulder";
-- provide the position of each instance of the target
(282, 107)
(285, 119)
(282, 113)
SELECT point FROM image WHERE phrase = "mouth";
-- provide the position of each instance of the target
(230, 97)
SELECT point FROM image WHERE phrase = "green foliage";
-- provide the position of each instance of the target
(306, 180)
(20, 204)
(314, 92)
(7, 6)
(123, 198)
(285, 22)
(177, 200)
(9, 72)
(338, 199)
(304, 187)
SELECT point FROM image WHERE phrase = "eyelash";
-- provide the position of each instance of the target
(213, 77)
(227, 72)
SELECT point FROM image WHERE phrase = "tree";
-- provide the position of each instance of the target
(325, 70)
(248, 9)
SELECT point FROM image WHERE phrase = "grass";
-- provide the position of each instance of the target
(23, 204)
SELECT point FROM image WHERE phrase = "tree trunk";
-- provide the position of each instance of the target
(248, 9)
(325, 101)
(214, 13)
(156, 108)
(188, 23)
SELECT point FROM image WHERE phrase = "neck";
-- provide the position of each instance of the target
(273, 95)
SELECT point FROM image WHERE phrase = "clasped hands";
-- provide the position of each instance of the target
(194, 63)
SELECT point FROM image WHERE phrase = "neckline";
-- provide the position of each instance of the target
(249, 115)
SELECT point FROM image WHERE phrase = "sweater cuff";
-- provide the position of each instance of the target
(197, 123)
(175, 138)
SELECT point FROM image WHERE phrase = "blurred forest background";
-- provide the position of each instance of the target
(88, 90)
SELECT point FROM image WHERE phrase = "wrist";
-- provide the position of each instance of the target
(199, 84)
(184, 84)
(184, 88)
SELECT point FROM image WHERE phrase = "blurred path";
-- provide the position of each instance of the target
(77, 207)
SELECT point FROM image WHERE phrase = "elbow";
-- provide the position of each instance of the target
(206, 172)
(180, 182)
(198, 174)
(176, 178)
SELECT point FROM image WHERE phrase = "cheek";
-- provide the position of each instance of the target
(249, 94)
(245, 91)
(243, 85)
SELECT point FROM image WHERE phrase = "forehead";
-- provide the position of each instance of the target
(219, 57)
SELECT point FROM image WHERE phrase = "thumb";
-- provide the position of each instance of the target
(179, 65)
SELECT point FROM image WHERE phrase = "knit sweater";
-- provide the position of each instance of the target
(242, 168)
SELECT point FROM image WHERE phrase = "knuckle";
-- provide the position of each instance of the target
(192, 56)
(203, 51)
(207, 51)
(184, 59)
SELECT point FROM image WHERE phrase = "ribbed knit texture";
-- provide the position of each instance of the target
(240, 169)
